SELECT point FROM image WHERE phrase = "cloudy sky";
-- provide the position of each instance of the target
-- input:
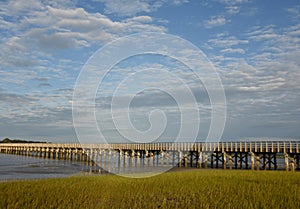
(253, 45)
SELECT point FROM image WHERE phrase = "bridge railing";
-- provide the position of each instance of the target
(245, 146)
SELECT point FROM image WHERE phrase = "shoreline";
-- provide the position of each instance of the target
(144, 175)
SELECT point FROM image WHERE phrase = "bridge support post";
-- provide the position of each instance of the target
(67, 153)
(252, 161)
(56, 151)
(292, 164)
(70, 154)
(168, 158)
(138, 158)
(224, 160)
(120, 158)
(206, 160)
(146, 158)
(200, 160)
(162, 153)
(179, 159)
(104, 159)
(96, 155)
(109, 160)
(257, 162)
(230, 162)
(114, 159)
(132, 158)
(125, 158)
(191, 158)
(76, 154)
(92, 156)
(185, 160)
(100, 153)
(173, 158)
(152, 158)
(286, 160)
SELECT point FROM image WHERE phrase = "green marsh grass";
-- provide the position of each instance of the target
(180, 189)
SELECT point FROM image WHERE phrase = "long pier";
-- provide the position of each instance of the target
(263, 155)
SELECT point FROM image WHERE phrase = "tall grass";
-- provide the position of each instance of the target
(189, 189)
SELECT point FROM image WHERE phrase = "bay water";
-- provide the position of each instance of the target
(14, 167)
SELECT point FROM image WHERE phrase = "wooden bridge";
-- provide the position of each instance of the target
(271, 155)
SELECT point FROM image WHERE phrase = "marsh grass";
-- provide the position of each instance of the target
(188, 189)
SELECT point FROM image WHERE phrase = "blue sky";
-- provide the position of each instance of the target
(254, 46)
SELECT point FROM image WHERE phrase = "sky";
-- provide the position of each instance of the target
(253, 47)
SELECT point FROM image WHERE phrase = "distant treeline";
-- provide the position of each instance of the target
(7, 140)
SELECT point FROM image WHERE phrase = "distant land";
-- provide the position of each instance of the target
(7, 140)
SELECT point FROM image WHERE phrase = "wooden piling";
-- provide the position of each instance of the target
(230, 162)
(257, 162)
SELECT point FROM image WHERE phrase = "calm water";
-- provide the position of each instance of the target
(21, 167)
(13, 167)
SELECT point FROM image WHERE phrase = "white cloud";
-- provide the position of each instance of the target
(262, 83)
(227, 42)
(233, 9)
(259, 33)
(133, 7)
(284, 41)
(17, 7)
(234, 2)
(241, 7)
(29, 46)
(266, 36)
(126, 8)
(270, 71)
(76, 27)
(233, 50)
(295, 33)
(46, 29)
(294, 12)
(294, 30)
(140, 19)
(215, 21)
(14, 53)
